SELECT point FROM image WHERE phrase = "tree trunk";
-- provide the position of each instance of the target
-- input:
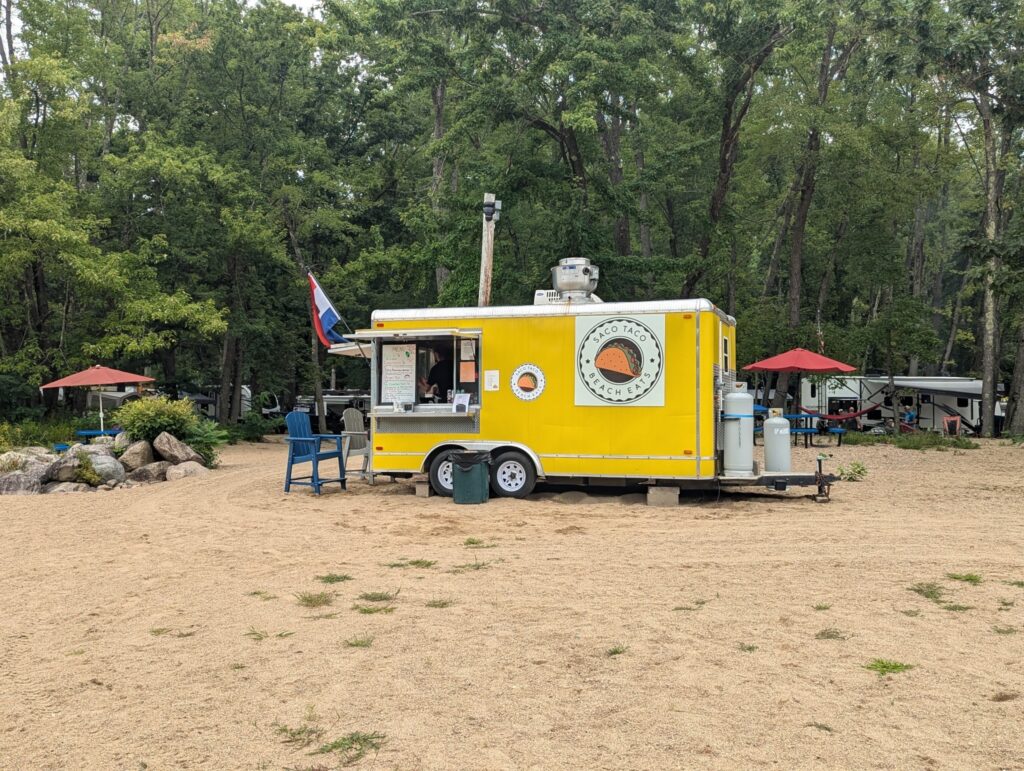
(643, 203)
(954, 327)
(988, 321)
(227, 369)
(611, 137)
(236, 378)
(734, 109)
(437, 179)
(1015, 405)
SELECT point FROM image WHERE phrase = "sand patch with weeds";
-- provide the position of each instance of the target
(712, 603)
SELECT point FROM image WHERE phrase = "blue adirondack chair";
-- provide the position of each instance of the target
(304, 447)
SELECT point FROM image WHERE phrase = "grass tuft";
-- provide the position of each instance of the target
(830, 633)
(912, 613)
(747, 647)
(1018, 584)
(256, 634)
(412, 564)
(1005, 604)
(616, 650)
(930, 591)
(370, 609)
(352, 747)
(1004, 629)
(1005, 696)
(477, 543)
(954, 607)
(820, 726)
(886, 667)
(284, 634)
(477, 565)
(378, 596)
(440, 603)
(261, 594)
(314, 599)
(334, 578)
(363, 641)
(968, 578)
(303, 736)
(821, 606)
(159, 631)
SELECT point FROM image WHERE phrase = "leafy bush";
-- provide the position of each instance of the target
(253, 427)
(855, 472)
(148, 418)
(86, 472)
(931, 441)
(32, 432)
(204, 437)
(858, 438)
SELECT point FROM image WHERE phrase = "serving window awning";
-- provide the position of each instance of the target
(369, 335)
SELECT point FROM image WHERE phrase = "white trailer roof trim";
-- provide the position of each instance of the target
(556, 309)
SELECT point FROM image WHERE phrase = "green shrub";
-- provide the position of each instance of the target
(86, 472)
(33, 432)
(148, 418)
(253, 427)
(926, 440)
(855, 472)
(205, 437)
(860, 438)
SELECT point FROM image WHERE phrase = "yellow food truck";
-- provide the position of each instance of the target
(567, 389)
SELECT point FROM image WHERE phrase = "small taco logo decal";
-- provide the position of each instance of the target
(528, 382)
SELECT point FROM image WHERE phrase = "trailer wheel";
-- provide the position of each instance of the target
(512, 475)
(441, 474)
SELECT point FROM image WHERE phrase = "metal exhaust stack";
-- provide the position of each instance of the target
(574, 280)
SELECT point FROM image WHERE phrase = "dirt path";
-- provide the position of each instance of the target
(129, 620)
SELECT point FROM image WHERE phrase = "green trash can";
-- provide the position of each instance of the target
(471, 476)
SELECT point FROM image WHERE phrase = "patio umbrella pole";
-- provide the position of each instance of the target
(101, 410)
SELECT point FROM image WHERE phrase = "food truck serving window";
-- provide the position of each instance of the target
(434, 369)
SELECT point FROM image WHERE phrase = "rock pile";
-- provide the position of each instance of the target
(119, 463)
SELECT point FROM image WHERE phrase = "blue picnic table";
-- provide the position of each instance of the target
(91, 433)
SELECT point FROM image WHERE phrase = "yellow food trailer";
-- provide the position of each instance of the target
(567, 389)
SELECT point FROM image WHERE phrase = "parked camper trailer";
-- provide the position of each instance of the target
(567, 389)
(930, 400)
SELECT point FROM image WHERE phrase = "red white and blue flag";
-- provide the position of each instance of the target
(325, 316)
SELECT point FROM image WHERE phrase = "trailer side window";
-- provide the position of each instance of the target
(429, 370)
(962, 402)
(725, 354)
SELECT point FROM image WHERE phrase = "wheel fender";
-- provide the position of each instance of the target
(484, 445)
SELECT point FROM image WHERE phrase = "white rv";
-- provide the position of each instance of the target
(928, 399)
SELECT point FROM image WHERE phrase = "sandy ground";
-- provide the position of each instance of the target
(123, 639)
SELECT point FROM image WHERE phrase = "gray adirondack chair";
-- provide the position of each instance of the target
(359, 439)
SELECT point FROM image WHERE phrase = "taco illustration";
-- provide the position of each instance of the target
(619, 361)
(527, 382)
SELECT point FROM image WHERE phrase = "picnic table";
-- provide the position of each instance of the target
(89, 434)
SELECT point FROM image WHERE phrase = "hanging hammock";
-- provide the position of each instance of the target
(844, 416)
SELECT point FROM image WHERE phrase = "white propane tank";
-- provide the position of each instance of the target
(738, 423)
(776, 443)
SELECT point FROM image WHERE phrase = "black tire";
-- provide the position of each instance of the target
(512, 475)
(441, 475)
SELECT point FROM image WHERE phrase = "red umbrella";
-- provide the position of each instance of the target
(799, 360)
(98, 376)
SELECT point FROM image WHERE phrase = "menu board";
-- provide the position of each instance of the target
(398, 374)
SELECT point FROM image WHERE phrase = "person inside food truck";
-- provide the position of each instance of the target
(440, 381)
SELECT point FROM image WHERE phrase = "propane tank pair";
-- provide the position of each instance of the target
(738, 436)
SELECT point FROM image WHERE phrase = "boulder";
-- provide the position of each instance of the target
(151, 472)
(108, 468)
(13, 461)
(174, 450)
(35, 451)
(121, 441)
(187, 469)
(106, 450)
(137, 455)
(104, 440)
(19, 483)
(40, 468)
(66, 487)
(64, 469)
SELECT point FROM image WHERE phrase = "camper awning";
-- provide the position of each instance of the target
(966, 389)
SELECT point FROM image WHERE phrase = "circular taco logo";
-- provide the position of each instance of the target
(528, 382)
(620, 360)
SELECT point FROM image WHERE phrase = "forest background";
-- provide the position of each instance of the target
(838, 174)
